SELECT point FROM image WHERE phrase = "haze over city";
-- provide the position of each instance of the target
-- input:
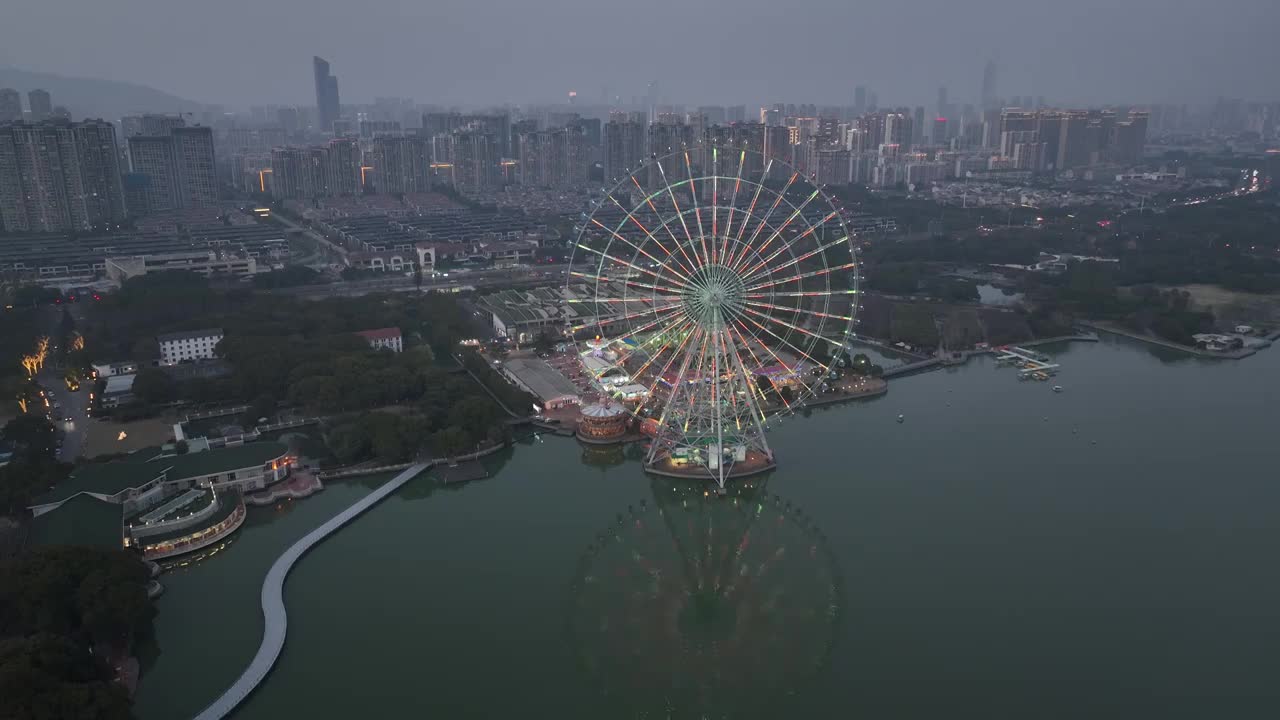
(240, 52)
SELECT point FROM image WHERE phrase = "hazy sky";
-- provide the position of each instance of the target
(240, 52)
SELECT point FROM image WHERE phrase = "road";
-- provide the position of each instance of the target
(72, 407)
(492, 278)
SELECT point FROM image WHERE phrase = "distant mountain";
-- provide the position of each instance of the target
(91, 97)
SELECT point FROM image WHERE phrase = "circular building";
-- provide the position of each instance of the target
(603, 422)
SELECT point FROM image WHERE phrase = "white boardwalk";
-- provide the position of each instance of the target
(273, 612)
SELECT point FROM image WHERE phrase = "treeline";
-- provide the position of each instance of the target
(66, 614)
(1091, 290)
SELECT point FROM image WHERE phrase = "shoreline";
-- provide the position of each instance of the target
(1195, 352)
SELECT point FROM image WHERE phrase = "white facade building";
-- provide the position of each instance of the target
(191, 345)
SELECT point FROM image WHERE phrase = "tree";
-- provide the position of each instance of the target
(861, 364)
(47, 676)
(154, 386)
(263, 406)
(33, 437)
(787, 394)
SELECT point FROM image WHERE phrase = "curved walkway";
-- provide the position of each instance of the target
(273, 610)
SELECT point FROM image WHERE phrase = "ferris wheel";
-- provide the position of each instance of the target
(713, 288)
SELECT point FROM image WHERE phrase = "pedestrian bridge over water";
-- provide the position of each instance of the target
(273, 612)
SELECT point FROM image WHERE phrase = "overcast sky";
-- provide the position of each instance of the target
(242, 52)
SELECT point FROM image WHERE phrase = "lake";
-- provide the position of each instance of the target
(1005, 552)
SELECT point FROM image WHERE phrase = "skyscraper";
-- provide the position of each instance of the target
(328, 109)
(10, 105)
(57, 176)
(152, 158)
(989, 99)
(402, 164)
(623, 149)
(178, 165)
(197, 178)
(859, 100)
(41, 105)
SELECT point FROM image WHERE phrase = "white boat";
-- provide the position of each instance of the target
(1057, 388)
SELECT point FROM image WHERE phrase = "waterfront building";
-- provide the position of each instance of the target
(602, 422)
(157, 500)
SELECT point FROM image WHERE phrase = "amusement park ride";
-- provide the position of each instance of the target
(721, 277)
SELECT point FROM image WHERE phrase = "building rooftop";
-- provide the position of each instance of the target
(146, 465)
(82, 520)
(189, 334)
(542, 380)
(380, 333)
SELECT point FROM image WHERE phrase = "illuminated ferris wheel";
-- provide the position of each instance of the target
(712, 286)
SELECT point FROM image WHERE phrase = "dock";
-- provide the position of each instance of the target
(1030, 364)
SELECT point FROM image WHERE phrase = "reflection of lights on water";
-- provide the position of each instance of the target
(701, 606)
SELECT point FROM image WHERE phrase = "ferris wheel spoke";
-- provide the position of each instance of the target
(624, 281)
(697, 211)
(679, 213)
(678, 385)
(811, 293)
(778, 233)
(630, 215)
(637, 248)
(797, 328)
(733, 204)
(747, 378)
(702, 371)
(780, 361)
(751, 274)
(633, 266)
(814, 313)
(648, 198)
(600, 322)
(746, 249)
(686, 328)
(804, 276)
(742, 227)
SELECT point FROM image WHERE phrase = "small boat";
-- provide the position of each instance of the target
(1057, 388)
(902, 418)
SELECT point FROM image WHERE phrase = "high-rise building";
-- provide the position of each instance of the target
(624, 149)
(41, 105)
(859, 100)
(10, 105)
(899, 130)
(328, 107)
(344, 166)
(287, 118)
(57, 176)
(197, 174)
(401, 164)
(160, 124)
(990, 99)
(151, 157)
(174, 165)
(474, 161)
(1130, 138)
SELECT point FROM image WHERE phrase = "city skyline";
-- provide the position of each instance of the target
(1095, 53)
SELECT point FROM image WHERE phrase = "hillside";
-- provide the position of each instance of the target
(92, 97)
